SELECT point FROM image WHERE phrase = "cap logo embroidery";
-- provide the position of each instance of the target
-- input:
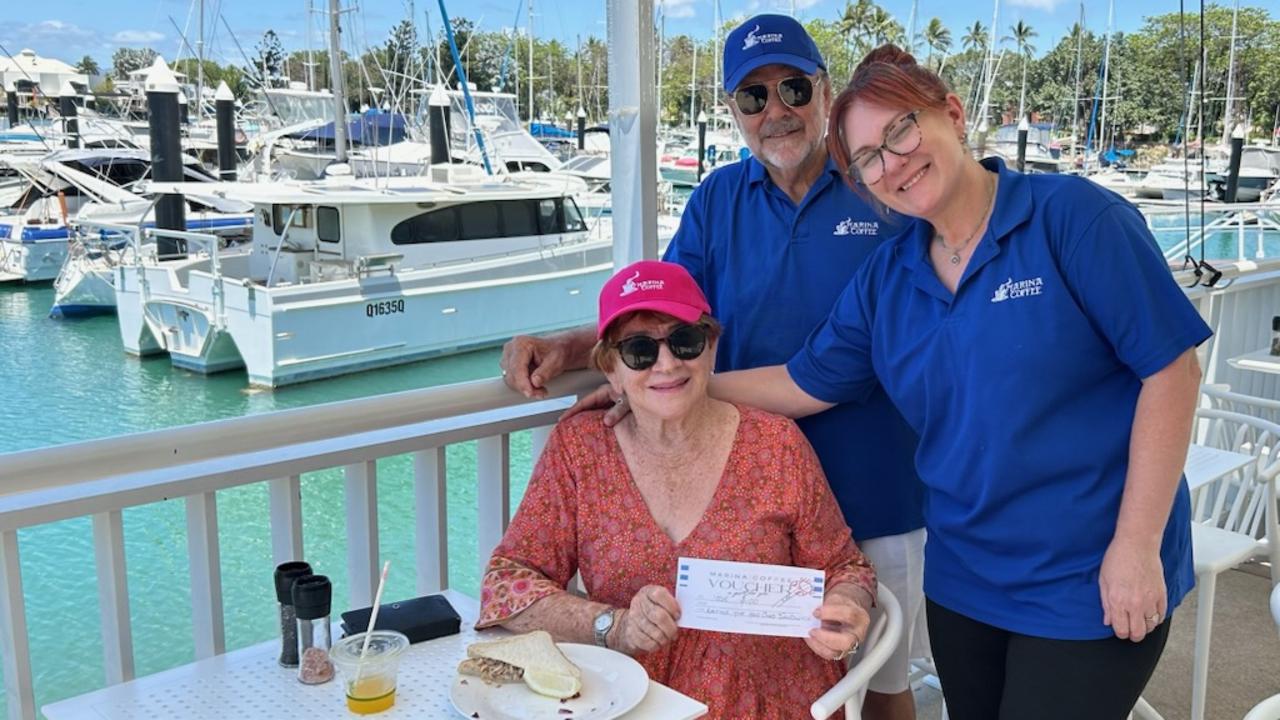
(631, 286)
(849, 226)
(752, 39)
(1012, 290)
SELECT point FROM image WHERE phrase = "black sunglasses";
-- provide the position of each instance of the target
(640, 352)
(793, 92)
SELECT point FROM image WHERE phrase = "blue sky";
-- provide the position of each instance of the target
(68, 29)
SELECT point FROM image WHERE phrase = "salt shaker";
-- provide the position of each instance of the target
(286, 574)
(1275, 335)
(311, 599)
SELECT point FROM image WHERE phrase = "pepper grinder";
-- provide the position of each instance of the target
(286, 574)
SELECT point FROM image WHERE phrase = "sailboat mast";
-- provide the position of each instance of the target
(715, 62)
(200, 65)
(693, 85)
(988, 71)
(311, 61)
(1075, 112)
(662, 48)
(339, 89)
(911, 27)
(1231, 78)
(1106, 73)
(530, 78)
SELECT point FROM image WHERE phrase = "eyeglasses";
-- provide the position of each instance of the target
(794, 92)
(901, 138)
(640, 352)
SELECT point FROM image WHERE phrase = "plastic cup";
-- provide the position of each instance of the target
(372, 688)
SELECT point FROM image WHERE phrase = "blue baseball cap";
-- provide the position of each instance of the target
(768, 40)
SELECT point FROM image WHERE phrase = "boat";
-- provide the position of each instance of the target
(352, 274)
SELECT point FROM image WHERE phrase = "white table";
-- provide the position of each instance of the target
(1206, 464)
(249, 683)
(1258, 361)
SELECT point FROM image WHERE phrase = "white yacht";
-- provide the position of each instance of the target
(353, 274)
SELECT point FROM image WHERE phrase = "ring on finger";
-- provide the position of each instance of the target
(1153, 618)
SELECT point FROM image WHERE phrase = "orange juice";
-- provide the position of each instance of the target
(371, 695)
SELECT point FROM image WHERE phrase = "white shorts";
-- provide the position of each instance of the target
(899, 563)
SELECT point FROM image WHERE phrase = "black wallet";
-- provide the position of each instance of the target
(421, 618)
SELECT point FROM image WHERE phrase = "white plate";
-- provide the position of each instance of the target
(612, 684)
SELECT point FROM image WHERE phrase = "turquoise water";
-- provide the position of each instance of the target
(63, 381)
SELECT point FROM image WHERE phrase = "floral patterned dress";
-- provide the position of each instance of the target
(583, 512)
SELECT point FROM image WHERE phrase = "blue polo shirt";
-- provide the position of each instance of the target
(1023, 387)
(771, 271)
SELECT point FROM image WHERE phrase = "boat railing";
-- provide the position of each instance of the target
(1250, 222)
(102, 478)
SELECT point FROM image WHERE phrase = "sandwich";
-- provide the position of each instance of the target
(532, 657)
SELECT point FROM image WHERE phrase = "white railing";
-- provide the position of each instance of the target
(101, 478)
(1250, 222)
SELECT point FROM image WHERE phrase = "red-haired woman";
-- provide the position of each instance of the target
(1028, 328)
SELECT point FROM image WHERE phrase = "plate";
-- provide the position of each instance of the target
(612, 684)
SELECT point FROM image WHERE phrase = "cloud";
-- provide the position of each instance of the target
(136, 37)
(806, 4)
(678, 8)
(1045, 5)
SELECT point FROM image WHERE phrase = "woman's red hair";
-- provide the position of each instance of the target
(887, 76)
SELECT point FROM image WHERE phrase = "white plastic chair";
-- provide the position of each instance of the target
(1221, 397)
(1269, 709)
(881, 640)
(1233, 521)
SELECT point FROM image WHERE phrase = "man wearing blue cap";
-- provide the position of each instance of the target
(773, 240)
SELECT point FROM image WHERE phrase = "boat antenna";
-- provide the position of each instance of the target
(466, 90)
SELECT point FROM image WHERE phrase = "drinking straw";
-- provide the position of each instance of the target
(373, 618)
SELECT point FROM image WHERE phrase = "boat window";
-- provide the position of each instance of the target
(280, 217)
(435, 226)
(548, 217)
(328, 226)
(478, 221)
(572, 216)
(517, 218)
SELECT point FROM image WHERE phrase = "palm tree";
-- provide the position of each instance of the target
(853, 26)
(976, 37)
(937, 37)
(1022, 34)
(884, 29)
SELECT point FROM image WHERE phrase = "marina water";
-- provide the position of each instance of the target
(65, 381)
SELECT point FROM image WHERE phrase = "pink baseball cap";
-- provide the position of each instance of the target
(651, 285)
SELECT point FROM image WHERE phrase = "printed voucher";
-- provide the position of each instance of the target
(748, 598)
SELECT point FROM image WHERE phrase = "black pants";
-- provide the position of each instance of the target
(993, 674)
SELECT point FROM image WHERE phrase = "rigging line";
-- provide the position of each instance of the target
(1203, 155)
(1186, 114)
(270, 103)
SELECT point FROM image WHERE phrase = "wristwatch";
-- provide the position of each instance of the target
(602, 625)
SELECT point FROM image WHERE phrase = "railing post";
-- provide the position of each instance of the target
(493, 494)
(13, 632)
(538, 440)
(113, 596)
(362, 532)
(430, 518)
(206, 575)
(284, 497)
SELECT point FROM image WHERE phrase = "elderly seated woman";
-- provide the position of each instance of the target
(681, 475)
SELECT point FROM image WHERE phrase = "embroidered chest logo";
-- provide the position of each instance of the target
(849, 226)
(1013, 289)
(752, 39)
(631, 285)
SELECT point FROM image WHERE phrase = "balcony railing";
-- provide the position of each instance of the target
(99, 479)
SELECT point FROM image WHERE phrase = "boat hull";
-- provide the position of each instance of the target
(292, 334)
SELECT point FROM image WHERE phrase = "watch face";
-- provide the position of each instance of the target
(604, 622)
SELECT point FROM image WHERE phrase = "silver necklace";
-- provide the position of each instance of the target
(955, 251)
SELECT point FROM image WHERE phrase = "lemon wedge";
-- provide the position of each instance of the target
(552, 684)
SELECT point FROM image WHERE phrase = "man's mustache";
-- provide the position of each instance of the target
(781, 126)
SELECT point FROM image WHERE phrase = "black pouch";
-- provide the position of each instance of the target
(421, 618)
